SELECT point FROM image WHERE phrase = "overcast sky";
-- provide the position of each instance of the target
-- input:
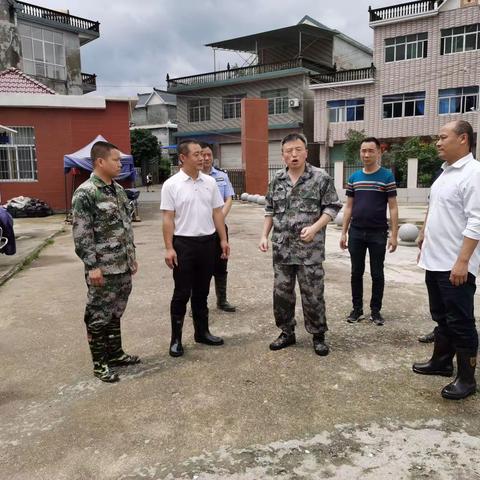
(140, 41)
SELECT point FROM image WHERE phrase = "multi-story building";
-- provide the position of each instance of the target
(209, 104)
(426, 73)
(45, 44)
(156, 111)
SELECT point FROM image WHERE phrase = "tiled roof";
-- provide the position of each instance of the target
(13, 80)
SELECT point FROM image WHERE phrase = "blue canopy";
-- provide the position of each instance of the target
(81, 159)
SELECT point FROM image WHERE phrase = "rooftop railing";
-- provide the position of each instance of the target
(340, 76)
(403, 10)
(59, 17)
(238, 73)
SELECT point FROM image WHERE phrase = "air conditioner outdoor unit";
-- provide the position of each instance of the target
(294, 103)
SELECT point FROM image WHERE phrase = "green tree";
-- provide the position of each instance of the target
(426, 153)
(352, 146)
(145, 148)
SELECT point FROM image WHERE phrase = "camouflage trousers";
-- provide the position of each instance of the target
(311, 282)
(105, 307)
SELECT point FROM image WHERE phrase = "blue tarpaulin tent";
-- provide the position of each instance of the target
(81, 159)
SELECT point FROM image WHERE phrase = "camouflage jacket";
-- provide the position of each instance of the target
(102, 227)
(294, 207)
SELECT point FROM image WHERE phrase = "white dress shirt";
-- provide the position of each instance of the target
(193, 202)
(453, 213)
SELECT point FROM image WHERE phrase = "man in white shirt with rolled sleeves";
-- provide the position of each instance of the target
(192, 212)
(451, 256)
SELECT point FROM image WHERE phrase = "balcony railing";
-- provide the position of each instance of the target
(59, 17)
(89, 82)
(238, 73)
(340, 76)
(404, 10)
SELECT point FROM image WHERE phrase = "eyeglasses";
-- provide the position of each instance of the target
(290, 151)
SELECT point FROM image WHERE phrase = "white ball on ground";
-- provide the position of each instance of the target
(408, 232)
(339, 218)
(244, 197)
(250, 198)
(261, 200)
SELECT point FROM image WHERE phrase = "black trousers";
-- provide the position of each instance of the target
(220, 268)
(452, 308)
(375, 241)
(196, 261)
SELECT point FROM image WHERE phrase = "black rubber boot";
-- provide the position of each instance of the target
(464, 384)
(284, 340)
(319, 345)
(441, 361)
(202, 331)
(427, 338)
(176, 348)
(116, 356)
(221, 291)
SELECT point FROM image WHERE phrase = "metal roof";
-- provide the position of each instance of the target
(284, 36)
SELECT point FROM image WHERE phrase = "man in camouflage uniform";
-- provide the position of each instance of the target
(300, 202)
(103, 237)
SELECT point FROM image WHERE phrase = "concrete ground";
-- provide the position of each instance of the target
(234, 412)
(31, 235)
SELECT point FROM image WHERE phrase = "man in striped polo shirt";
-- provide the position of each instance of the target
(369, 191)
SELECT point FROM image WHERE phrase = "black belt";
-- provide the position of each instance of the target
(201, 238)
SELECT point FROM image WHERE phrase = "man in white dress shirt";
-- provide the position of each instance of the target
(451, 257)
(192, 212)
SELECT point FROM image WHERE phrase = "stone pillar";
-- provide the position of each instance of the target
(10, 50)
(412, 173)
(255, 144)
(338, 177)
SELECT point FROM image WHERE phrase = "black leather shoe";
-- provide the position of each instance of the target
(464, 384)
(427, 338)
(441, 361)
(284, 340)
(319, 345)
(208, 339)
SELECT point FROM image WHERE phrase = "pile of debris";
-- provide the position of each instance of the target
(22, 207)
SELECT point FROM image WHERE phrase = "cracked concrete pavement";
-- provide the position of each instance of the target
(235, 412)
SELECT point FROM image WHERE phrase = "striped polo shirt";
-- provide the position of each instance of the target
(371, 192)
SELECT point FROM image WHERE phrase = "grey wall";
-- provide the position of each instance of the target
(10, 49)
(154, 114)
(295, 85)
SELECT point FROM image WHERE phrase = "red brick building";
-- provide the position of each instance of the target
(50, 126)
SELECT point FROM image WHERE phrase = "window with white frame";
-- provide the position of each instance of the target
(406, 47)
(198, 110)
(17, 155)
(277, 101)
(232, 106)
(43, 52)
(346, 110)
(457, 100)
(460, 39)
(404, 105)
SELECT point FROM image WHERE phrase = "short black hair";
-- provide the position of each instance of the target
(464, 127)
(371, 140)
(184, 146)
(206, 145)
(292, 137)
(101, 149)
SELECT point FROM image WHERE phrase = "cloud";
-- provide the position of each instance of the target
(140, 42)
